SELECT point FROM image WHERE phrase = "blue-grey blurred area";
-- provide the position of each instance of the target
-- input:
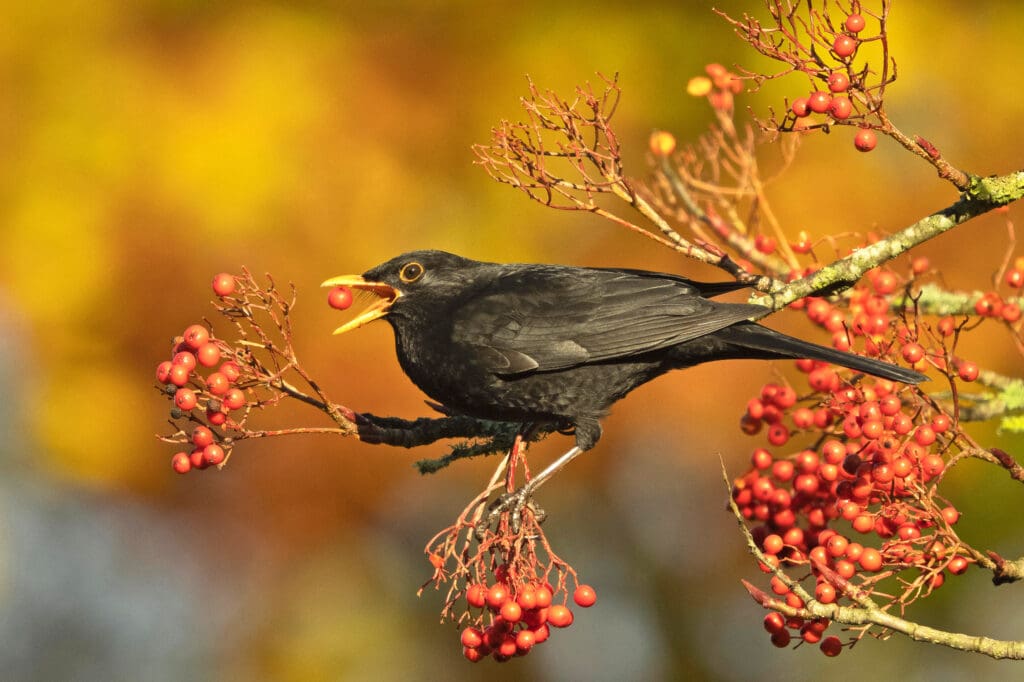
(146, 146)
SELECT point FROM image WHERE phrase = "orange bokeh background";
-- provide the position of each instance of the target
(148, 145)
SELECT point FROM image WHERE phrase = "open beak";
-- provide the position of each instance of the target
(386, 296)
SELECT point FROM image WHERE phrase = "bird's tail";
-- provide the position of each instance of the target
(768, 343)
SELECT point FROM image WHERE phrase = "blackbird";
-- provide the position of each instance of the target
(555, 344)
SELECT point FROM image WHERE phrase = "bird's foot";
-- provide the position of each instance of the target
(514, 504)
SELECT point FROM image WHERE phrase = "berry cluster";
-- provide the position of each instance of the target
(870, 472)
(516, 615)
(842, 93)
(503, 565)
(995, 306)
(201, 379)
(719, 86)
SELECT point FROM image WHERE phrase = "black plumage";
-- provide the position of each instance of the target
(555, 344)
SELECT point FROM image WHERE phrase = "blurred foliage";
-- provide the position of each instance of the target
(148, 145)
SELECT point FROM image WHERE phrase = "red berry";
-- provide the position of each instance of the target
(544, 597)
(185, 399)
(855, 23)
(234, 399)
(511, 611)
(941, 423)
(781, 638)
(472, 637)
(957, 565)
(783, 469)
(818, 102)
(825, 593)
(473, 655)
(476, 595)
(560, 616)
(1015, 278)
(208, 354)
(216, 417)
(181, 463)
(202, 436)
(772, 544)
(542, 632)
(872, 429)
(778, 434)
(809, 633)
(863, 523)
(932, 465)
(838, 81)
(925, 435)
(836, 545)
(196, 459)
(507, 648)
(213, 454)
(774, 622)
(890, 405)
(496, 596)
(865, 140)
(833, 451)
(217, 384)
(163, 372)
(883, 473)
(185, 359)
(989, 305)
(340, 297)
(799, 107)
(968, 371)
(806, 483)
(585, 596)
(195, 336)
(527, 598)
(845, 569)
(840, 108)
(913, 353)
(223, 284)
(535, 617)
(765, 244)
(525, 639)
(803, 243)
(920, 265)
(761, 458)
(831, 646)
(785, 397)
(1010, 312)
(844, 45)
(231, 370)
(871, 559)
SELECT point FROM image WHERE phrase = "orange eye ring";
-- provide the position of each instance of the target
(411, 272)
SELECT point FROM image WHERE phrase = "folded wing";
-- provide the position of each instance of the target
(541, 319)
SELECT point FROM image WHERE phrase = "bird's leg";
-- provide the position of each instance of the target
(587, 430)
(515, 501)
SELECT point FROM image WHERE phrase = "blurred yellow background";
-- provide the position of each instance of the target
(146, 146)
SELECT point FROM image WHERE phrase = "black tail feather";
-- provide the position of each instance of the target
(770, 343)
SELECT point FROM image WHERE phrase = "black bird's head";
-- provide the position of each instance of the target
(418, 282)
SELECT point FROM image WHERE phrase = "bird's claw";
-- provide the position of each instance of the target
(512, 504)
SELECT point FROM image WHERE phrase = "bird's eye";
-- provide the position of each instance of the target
(410, 272)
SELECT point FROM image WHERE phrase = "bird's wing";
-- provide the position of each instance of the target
(544, 319)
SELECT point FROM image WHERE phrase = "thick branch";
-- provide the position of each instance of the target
(985, 195)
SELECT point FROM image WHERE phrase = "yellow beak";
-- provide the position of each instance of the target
(387, 295)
